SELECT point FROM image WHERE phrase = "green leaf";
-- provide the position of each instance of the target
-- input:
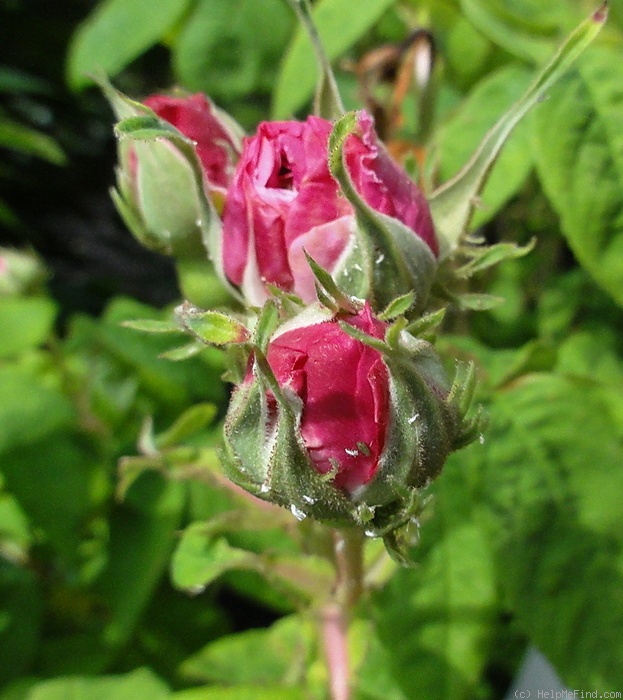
(274, 655)
(549, 476)
(116, 33)
(25, 322)
(142, 536)
(30, 141)
(29, 410)
(203, 555)
(374, 677)
(579, 154)
(452, 204)
(228, 48)
(527, 31)
(142, 683)
(200, 559)
(339, 28)
(241, 692)
(435, 621)
(594, 357)
(15, 81)
(57, 481)
(193, 420)
(200, 284)
(15, 535)
(20, 619)
(477, 302)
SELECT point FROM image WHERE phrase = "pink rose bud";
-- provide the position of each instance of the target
(345, 419)
(284, 201)
(176, 159)
(345, 387)
(215, 135)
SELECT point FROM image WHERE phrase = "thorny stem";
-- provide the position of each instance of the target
(336, 614)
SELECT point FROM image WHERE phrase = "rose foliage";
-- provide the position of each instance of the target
(342, 279)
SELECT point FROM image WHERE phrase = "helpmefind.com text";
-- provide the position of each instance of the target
(564, 694)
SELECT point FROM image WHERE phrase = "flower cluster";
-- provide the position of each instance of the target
(341, 412)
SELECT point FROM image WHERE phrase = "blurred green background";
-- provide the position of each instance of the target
(524, 543)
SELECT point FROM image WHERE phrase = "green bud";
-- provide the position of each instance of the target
(176, 157)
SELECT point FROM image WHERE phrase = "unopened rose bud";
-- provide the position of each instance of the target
(344, 419)
(284, 202)
(216, 136)
(176, 158)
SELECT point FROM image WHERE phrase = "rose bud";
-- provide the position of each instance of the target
(345, 418)
(216, 136)
(176, 159)
(372, 232)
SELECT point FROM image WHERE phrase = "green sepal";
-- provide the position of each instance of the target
(266, 324)
(388, 259)
(401, 540)
(462, 390)
(421, 433)
(150, 325)
(265, 454)
(484, 257)
(452, 204)
(328, 291)
(472, 428)
(363, 337)
(146, 127)
(212, 327)
(394, 332)
(397, 307)
(425, 325)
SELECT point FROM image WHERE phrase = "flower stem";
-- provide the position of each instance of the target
(337, 613)
(348, 547)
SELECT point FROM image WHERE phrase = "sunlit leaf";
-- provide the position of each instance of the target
(116, 33)
(579, 155)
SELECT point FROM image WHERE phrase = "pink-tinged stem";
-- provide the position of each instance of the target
(335, 638)
(336, 615)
